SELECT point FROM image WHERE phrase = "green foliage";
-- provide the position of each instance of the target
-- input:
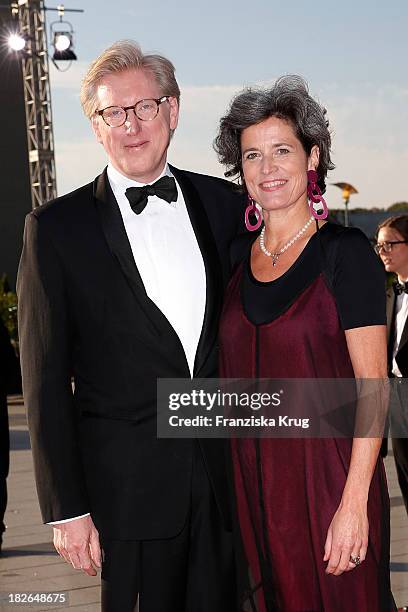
(399, 207)
(375, 209)
(8, 309)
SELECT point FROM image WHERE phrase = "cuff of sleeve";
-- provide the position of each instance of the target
(74, 518)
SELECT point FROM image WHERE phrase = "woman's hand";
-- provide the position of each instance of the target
(347, 537)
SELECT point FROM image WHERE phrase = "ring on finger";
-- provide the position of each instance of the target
(355, 560)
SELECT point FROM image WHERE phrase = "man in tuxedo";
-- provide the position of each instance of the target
(398, 352)
(392, 246)
(120, 283)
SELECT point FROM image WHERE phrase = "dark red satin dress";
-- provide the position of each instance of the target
(287, 490)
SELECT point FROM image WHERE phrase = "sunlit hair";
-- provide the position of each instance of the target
(126, 55)
(287, 99)
(397, 222)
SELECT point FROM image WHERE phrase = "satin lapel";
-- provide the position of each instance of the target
(390, 305)
(214, 285)
(118, 242)
(404, 337)
(391, 301)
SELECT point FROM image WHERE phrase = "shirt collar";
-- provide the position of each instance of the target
(120, 183)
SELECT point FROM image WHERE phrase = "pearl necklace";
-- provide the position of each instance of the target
(275, 256)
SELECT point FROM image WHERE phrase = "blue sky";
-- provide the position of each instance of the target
(353, 54)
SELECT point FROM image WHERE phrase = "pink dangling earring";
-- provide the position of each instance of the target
(315, 196)
(251, 209)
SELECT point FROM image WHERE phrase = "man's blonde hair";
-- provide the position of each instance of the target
(126, 55)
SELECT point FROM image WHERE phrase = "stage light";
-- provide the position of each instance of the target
(16, 42)
(62, 41)
(63, 44)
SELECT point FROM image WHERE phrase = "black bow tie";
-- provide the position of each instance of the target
(400, 288)
(165, 188)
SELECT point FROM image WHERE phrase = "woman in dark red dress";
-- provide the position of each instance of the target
(307, 301)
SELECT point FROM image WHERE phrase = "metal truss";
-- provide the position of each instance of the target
(37, 95)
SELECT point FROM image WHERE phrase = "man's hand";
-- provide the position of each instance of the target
(77, 542)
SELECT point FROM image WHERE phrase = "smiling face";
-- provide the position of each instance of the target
(137, 149)
(275, 164)
(397, 260)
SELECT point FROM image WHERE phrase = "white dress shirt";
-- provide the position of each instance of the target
(168, 258)
(401, 315)
(169, 261)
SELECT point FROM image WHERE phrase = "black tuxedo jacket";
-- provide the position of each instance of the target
(402, 353)
(84, 314)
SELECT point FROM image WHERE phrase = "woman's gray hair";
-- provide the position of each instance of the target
(288, 99)
(126, 55)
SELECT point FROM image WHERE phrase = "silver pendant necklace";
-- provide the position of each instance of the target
(275, 256)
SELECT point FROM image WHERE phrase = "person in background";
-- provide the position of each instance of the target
(392, 247)
(307, 301)
(10, 382)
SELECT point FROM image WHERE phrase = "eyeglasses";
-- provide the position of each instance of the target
(145, 110)
(387, 246)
